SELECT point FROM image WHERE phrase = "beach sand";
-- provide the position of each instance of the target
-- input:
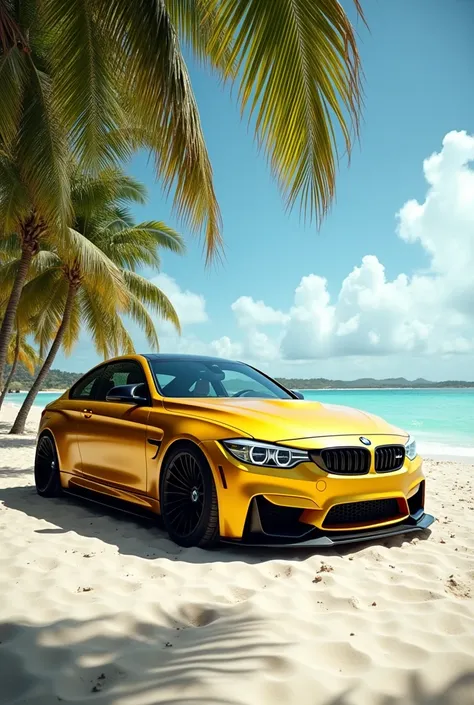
(99, 607)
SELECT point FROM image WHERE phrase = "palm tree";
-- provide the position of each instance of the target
(34, 183)
(19, 215)
(20, 351)
(109, 76)
(90, 276)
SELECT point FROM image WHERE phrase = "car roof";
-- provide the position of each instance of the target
(169, 357)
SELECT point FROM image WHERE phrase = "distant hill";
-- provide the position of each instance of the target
(56, 379)
(369, 383)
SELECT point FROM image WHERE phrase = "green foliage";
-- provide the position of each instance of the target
(56, 379)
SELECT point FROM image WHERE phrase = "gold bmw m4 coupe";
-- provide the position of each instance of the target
(224, 453)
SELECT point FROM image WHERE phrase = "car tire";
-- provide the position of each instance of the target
(188, 498)
(47, 477)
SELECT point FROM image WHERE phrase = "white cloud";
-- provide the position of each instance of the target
(190, 307)
(253, 313)
(224, 347)
(425, 313)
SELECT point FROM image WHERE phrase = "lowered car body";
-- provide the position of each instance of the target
(223, 452)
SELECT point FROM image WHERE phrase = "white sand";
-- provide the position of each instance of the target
(97, 607)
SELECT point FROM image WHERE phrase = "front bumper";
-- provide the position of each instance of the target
(318, 539)
(297, 506)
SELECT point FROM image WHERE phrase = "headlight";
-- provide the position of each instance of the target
(410, 448)
(265, 454)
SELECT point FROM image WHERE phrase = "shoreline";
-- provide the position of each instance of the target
(441, 452)
(375, 389)
(305, 389)
(42, 391)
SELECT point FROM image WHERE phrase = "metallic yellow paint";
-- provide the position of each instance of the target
(118, 449)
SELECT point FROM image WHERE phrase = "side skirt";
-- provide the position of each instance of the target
(128, 502)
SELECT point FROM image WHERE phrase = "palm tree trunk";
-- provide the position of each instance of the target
(30, 232)
(10, 312)
(20, 421)
(13, 369)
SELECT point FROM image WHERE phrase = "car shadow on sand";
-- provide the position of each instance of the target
(144, 536)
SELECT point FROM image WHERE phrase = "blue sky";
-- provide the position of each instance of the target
(418, 67)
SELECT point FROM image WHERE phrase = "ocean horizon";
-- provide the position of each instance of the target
(442, 420)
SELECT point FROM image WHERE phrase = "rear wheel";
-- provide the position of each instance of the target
(188, 499)
(47, 479)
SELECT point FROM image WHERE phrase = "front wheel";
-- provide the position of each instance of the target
(188, 499)
(47, 479)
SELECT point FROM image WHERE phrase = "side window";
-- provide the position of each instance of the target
(86, 388)
(119, 373)
(164, 379)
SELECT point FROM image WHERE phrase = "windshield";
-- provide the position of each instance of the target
(207, 379)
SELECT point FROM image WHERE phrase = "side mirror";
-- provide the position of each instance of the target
(128, 394)
(297, 394)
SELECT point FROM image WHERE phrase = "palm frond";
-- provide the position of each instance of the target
(9, 248)
(162, 108)
(39, 292)
(28, 356)
(138, 312)
(90, 193)
(130, 254)
(42, 151)
(298, 67)
(15, 202)
(139, 245)
(85, 84)
(120, 218)
(12, 80)
(123, 337)
(106, 329)
(44, 260)
(195, 24)
(46, 321)
(159, 233)
(94, 321)
(149, 294)
(102, 274)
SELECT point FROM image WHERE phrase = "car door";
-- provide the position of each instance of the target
(112, 435)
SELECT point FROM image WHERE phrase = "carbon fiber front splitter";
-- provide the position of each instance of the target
(415, 522)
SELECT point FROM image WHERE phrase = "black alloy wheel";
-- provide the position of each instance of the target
(188, 499)
(47, 479)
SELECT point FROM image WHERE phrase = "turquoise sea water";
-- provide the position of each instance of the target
(441, 419)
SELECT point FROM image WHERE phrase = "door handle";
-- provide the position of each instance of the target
(87, 413)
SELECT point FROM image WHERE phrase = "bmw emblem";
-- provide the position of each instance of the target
(364, 440)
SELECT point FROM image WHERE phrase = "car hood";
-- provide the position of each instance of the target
(284, 419)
